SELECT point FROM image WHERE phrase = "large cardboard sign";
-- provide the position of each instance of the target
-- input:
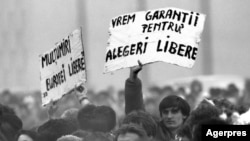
(170, 35)
(62, 68)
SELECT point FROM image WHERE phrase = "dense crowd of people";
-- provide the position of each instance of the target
(128, 115)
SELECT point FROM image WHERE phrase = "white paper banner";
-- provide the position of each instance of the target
(170, 35)
(62, 68)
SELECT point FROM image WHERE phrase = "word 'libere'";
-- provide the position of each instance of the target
(179, 49)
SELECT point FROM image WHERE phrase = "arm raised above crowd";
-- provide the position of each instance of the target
(133, 91)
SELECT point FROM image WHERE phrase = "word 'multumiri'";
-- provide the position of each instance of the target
(61, 50)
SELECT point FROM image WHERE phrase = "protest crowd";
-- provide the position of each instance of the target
(167, 114)
(66, 111)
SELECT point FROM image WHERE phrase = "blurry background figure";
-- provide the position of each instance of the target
(232, 93)
(195, 96)
(181, 92)
(245, 99)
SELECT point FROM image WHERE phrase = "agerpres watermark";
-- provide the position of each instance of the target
(228, 134)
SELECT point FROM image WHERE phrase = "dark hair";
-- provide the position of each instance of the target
(175, 101)
(6, 110)
(202, 112)
(98, 136)
(84, 116)
(210, 121)
(130, 128)
(55, 128)
(80, 133)
(47, 136)
(106, 115)
(144, 119)
(97, 118)
(10, 124)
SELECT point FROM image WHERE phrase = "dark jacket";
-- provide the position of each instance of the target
(134, 101)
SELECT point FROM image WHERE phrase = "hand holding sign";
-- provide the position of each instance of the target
(135, 70)
(80, 93)
(62, 68)
(52, 108)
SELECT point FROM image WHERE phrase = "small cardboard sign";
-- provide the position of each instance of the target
(62, 68)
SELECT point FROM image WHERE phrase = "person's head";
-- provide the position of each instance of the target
(97, 118)
(105, 117)
(197, 129)
(10, 124)
(69, 138)
(26, 135)
(80, 133)
(98, 136)
(143, 119)
(131, 132)
(55, 128)
(196, 86)
(84, 117)
(71, 115)
(173, 111)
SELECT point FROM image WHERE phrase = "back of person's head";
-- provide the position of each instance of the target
(97, 118)
(69, 138)
(98, 136)
(175, 101)
(80, 133)
(4, 109)
(131, 128)
(85, 115)
(47, 136)
(197, 129)
(143, 119)
(56, 128)
(10, 124)
(31, 134)
(106, 116)
(71, 115)
(203, 111)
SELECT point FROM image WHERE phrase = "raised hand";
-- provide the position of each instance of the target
(52, 108)
(135, 70)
